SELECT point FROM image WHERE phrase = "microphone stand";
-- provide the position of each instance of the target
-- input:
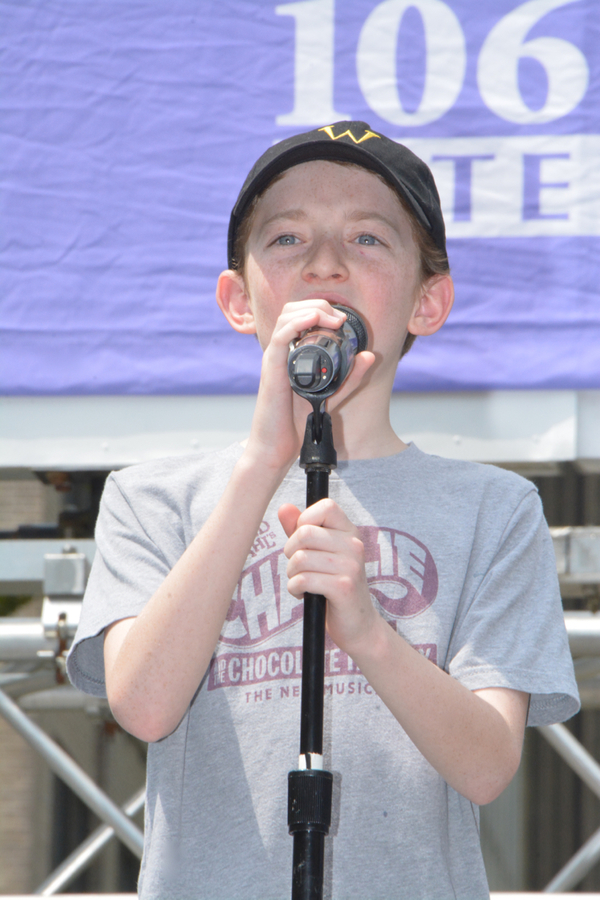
(310, 787)
(317, 365)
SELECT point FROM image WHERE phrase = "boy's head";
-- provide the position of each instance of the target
(357, 144)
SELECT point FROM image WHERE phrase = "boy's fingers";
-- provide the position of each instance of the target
(288, 516)
(316, 528)
(362, 364)
(301, 315)
(327, 514)
(364, 361)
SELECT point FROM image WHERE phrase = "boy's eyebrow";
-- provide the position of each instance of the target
(285, 214)
(361, 214)
(358, 215)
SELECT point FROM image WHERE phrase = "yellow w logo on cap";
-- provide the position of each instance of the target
(328, 129)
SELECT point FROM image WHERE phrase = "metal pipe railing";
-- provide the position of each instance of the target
(586, 767)
(23, 639)
(87, 851)
(73, 775)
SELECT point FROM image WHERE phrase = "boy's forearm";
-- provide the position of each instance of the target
(474, 743)
(153, 674)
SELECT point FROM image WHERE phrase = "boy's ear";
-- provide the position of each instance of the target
(433, 305)
(234, 303)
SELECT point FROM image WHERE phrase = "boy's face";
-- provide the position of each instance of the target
(337, 233)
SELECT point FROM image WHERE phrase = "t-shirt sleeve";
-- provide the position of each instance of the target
(128, 568)
(510, 630)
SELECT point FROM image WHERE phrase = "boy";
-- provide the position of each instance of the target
(424, 719)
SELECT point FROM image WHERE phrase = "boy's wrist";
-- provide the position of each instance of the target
(376, 647)
(257, 463)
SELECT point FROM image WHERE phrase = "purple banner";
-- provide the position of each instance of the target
(128, 128)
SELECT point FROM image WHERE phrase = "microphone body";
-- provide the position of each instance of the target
(321, 359)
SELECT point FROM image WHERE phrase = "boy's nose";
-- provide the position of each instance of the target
(326, 261)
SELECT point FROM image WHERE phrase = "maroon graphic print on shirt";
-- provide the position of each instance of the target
(403, 582)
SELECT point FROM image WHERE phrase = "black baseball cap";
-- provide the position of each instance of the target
(349, 142)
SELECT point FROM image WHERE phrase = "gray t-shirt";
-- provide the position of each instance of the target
(459, 560)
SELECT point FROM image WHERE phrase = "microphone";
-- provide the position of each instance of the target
(322, 358)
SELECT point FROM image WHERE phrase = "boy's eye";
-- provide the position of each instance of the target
(368, 239)
(286, 240)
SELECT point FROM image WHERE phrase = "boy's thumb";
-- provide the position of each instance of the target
(288, 516)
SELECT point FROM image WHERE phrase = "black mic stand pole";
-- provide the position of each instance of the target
(310, 787)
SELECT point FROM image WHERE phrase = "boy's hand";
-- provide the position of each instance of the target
(280, 415)
(326, 556)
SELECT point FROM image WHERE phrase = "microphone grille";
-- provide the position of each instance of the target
(357, 324)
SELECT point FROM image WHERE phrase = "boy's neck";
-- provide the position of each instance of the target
(365, 438)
